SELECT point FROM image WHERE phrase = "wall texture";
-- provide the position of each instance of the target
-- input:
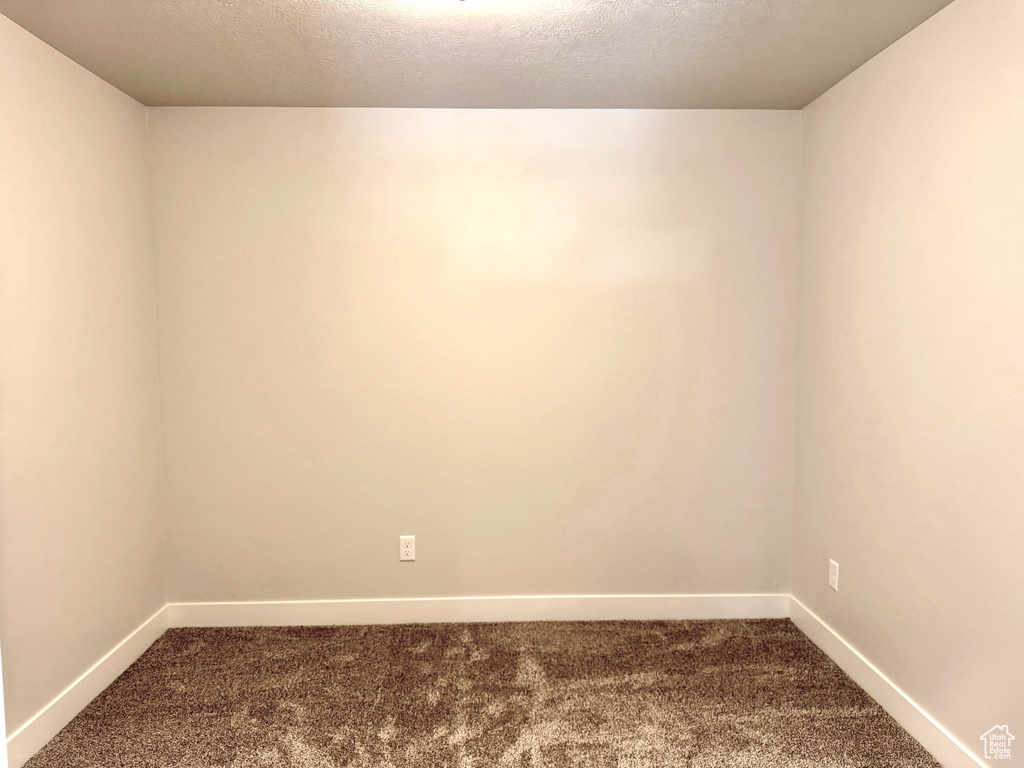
(910, 460)
(81, 553)
(556, 346)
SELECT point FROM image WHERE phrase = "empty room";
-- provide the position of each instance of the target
(550, 383)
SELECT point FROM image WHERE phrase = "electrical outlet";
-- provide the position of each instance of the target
(833, 575)
(406, 548)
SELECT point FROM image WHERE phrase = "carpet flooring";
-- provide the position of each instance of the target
(746, 694)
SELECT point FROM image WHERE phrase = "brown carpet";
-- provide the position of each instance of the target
(624, 694)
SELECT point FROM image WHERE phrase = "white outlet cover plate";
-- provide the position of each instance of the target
(406, 548)
(833, 575)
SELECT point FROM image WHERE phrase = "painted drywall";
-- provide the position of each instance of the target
(81, 552)
(910, 461)
(482, 53)
(3, 721)
(557, 347)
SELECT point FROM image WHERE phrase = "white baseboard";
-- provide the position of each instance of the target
(943, 745)
(47, 722)
(477, 609)
(44, 725)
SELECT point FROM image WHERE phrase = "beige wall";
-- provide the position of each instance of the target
(555, 346)
(81, 557)
(910, 461)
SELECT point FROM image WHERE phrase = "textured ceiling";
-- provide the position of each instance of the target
(777, 54)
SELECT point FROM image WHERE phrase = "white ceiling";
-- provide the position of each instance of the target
(770, 54)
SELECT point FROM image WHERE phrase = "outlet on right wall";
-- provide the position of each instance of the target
(910, 403)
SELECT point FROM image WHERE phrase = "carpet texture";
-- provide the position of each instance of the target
(751, 694)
